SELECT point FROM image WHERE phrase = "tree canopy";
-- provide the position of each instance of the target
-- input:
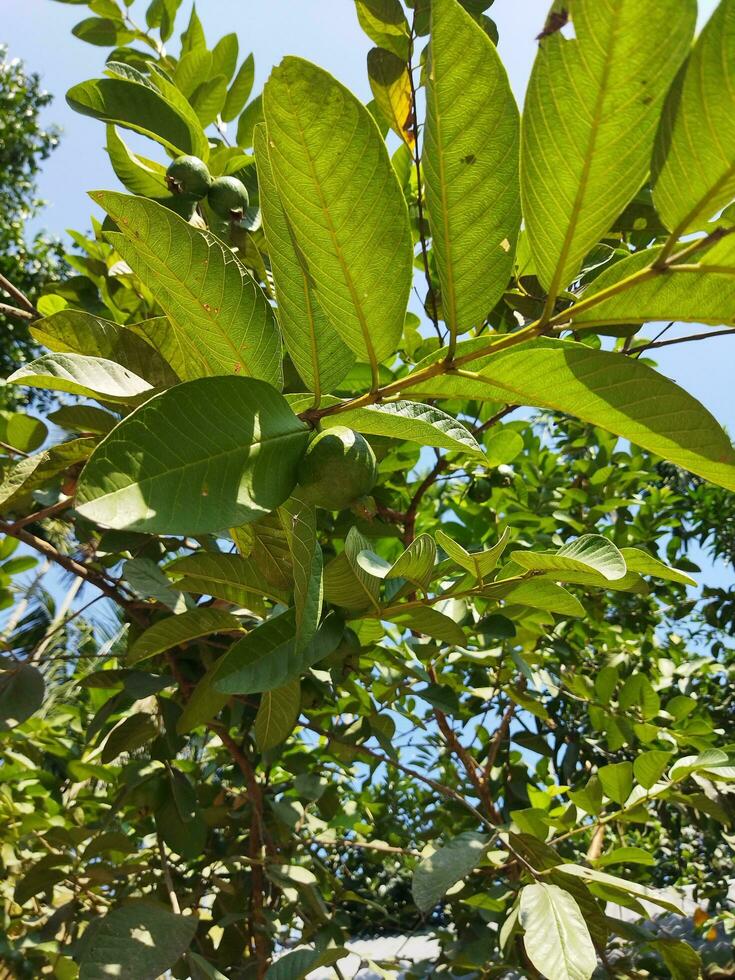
(377, 615)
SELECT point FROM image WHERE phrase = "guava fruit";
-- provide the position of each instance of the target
(228, 197)
(338, 467)
(189, 177)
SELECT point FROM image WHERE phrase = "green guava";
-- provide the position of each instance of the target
(228, 197)
(189, 177)
(338, 467)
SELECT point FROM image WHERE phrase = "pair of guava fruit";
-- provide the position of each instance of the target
(189, 177)
(337, 469)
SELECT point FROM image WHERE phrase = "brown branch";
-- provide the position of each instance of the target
(19, 296)
(11, 449)
(637, 351)
(64, 561)
(14, 313)
(259, 934)
(41, 515)
(498, 738)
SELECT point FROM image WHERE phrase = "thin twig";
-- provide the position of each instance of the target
(19, 296)
(12, 449)
(172, 897)
(41, 515)
(637, 351)
(16, 314)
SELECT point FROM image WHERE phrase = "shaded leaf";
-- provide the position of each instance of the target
(177, 630)
(436, 874)
(277, 714)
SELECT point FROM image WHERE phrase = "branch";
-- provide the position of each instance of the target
(637, 351)
(19, 296)
(64, 561)
(16, 314)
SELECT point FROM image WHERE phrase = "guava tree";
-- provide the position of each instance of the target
(384, 653)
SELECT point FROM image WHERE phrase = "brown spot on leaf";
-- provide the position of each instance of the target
(554, 23)
(469, 159)
(238, 368)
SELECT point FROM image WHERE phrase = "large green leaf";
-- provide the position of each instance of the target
(131, 103)
(203, 705)
(21, 431)
(696, 291)
(137, 174)
(139, 939)
(623, 885)
(175, 630)
(33, 472)
(345, 205)
(228, 577)
(277, 714)
(615, 392)
(470, 163)
(591, 552)
(694, 157)
(200, 457)
(347, 582)
(385, 23)
(589, 123)
(390, 84)
(417, 562)
(77, 332)
(617, 780)
(478, 563)
(556, 937)
(319, 354)
(159, 334)
(268, 658)
(308, 567)
(412, 422)
(436, 874)
(220, 316)
(93, 377)
(21, 694)
(430, 622)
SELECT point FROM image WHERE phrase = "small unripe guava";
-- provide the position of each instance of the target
(228, 197)
(338, 467)
(189, 177)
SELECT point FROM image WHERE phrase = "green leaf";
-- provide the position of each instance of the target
(648, 767)
(412, 422)
(615, 392)
(617, 781)
(626, 855)
(637, 691)
(696, 290)
(390, 84)
(177, 630)
(139, 939)
(348, 583)
(248, 122)
(277, 714)
(178, 819)
(198, 458)
(591, 552)
(138, 174)
(623, 885)
(239, 91)
(129, 734)
(93, 377)
(208, 99)
(417, 562)
(21, 431)
(203, 705)
(345, 205)
(267, 657)
(83, 418)
(645, 564)
(192, 67)
(470, 158)
(436, 874)
(218, 313)
(385, 23)
(228, 577)
(308, 567)
(21, 694)
(589, 123)
(162, 338)
(537, 593)
(75, 332)
(681, 960)
(299, 963)
(224, 56)
(556, 937)
(134, 105)
(694, 157)
(102, 31)
(149, 582)
(22, 478)
(478, 563)
(713, 762)
(430, 622)
(319, 354)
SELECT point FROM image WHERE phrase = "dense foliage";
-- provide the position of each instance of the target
(24, 145)
(399, 627)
